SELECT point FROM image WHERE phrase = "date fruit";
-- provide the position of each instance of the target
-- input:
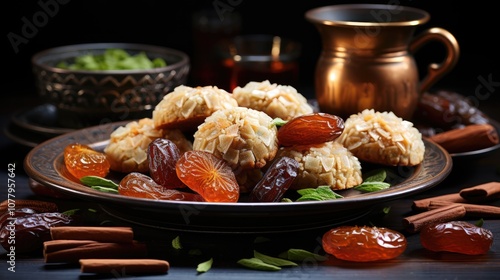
(445, 110)
(457, 237)
(163, 154)
(275, 181)
(31, 228)
(364, 244)
(310, 129)
(139, 185)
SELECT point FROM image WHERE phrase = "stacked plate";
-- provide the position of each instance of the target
(30, 127)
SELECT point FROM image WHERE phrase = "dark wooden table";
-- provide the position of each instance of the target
(226, 249)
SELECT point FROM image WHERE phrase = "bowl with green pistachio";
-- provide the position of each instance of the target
(99, 82)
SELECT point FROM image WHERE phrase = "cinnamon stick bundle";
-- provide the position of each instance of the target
(469, 138)
(96, 250)
(423, 204)
(101, 234)
(453, 206)
(471, 210)
(442, 214)
(57, 245)
(480, 193)
(128, 266)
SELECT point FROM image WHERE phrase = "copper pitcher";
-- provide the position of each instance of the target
(367, 59)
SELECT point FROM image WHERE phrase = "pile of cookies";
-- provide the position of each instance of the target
(239, 128)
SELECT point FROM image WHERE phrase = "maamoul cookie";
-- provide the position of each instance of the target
(328, 164)
(128, 145)
(244, 137)
(278, 101)
(382, 138)
(186, 107)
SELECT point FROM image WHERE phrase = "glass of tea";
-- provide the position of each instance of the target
(209, 29)
(255, 58)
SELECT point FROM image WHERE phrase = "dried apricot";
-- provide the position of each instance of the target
(310, 129)
(457, 237)
(163, 154)
(139, 185)
(209, 176)
(364, 244)
(81, 160)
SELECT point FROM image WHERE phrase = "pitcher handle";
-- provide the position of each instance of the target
(437, 70)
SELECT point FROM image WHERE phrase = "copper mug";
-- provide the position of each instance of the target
(367, 59)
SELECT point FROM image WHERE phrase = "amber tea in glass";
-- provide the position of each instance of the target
(260, 57)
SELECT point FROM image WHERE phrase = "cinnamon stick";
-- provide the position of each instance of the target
(483, 192)
(39, 206)
(423, 204)
(97, 250)
(442, 214)
(101, 234)
(57, 245)
(469, 138)
(127, 266)
(471, 210)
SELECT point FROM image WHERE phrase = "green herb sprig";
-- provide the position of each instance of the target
(374, 181)
(272, 260)
(205, 266)
(258, 264)
(317, 194)
(301, 255)
(100, 184)
(264, 262)
(278, 122)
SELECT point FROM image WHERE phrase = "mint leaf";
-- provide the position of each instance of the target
(272, 260)
(278, 122)
(70, 212)
(205, 266)
(257, 264)
(373, 181)
(317, 194)
(326, 192)
(377, 175)
(479, 223)
(176, 243)
(301, 255)
(104, 189)
(92, 181)
(372, 186)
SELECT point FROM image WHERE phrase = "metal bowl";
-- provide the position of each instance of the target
(84, 97)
